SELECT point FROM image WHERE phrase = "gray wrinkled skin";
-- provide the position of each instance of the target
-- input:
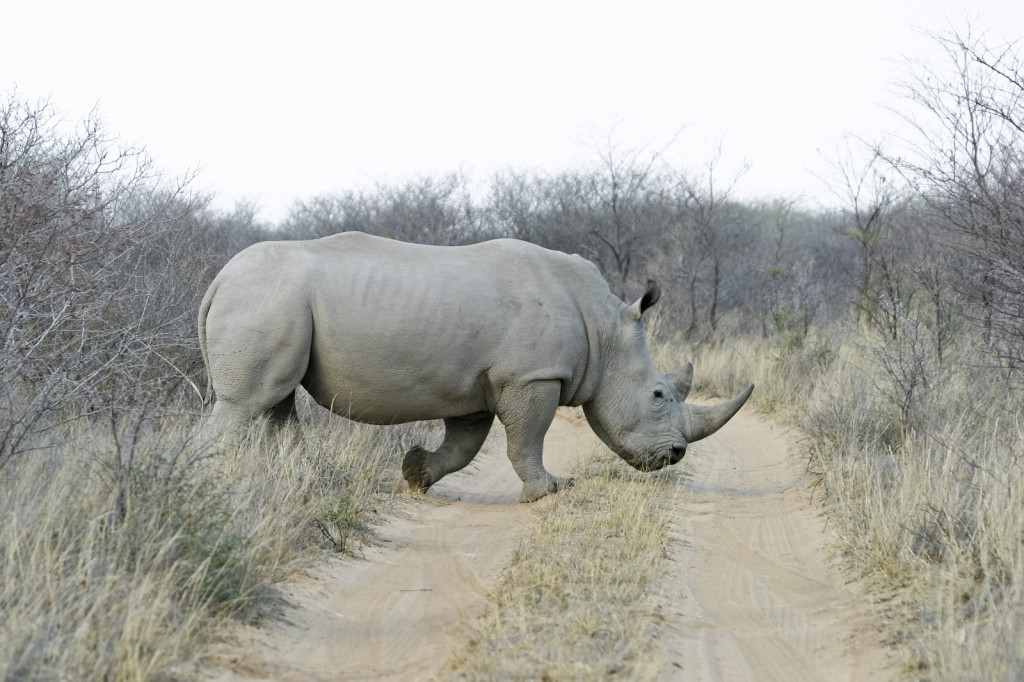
(386, 332)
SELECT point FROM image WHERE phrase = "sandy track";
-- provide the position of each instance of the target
(757, 597)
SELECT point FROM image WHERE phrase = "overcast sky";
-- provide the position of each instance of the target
(275, 102)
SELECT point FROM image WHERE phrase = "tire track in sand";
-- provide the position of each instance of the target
(758, 597)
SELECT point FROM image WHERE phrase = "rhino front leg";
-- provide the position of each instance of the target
(527, 413)
(463, 437)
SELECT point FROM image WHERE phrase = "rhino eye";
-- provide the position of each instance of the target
(658, 393)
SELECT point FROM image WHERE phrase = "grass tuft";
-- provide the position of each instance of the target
(581, 598)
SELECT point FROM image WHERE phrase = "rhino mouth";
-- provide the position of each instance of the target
(659, 459)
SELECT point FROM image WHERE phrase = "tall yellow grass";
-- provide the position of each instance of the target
(122, 548)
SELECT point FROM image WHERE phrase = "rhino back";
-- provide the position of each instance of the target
(402, 332)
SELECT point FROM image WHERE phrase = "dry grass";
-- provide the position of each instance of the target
(921, 461)
(929, 505)
(581, 598)
(123, 548)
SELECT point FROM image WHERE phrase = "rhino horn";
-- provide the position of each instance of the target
(683, 380)
(703, 420)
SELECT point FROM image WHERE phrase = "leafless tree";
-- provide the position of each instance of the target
(873, 203)
(709, 232)
(784, 301)
(966, 159)
(613, 212)
(624, 198)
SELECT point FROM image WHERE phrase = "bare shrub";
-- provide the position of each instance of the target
(909, 363)
(97, 271)
(426, 211)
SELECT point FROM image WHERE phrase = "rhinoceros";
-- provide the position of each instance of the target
(385, 332)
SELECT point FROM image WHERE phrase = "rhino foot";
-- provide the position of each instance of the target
(415, 471)
(536, 490)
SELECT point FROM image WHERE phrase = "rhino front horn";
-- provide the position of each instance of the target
(703, 420)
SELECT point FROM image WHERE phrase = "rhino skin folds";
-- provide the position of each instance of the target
(384, 332)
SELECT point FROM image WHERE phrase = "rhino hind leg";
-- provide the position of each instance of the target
(231, 420)
(284, 414)
(463, 438)
(225, 421)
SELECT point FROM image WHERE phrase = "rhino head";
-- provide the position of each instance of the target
(640, 413)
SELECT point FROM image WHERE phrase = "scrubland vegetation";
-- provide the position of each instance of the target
(889, 327)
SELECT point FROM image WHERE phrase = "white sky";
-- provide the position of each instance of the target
(282, 101)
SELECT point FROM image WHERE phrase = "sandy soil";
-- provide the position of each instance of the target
(757, 597)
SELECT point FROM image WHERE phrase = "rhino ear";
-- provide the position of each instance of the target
(649, 298)
(683, 380)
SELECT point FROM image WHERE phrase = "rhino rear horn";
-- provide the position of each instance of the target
(683, 380)
(703, 420)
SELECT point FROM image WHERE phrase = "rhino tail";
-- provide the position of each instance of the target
(204, 311)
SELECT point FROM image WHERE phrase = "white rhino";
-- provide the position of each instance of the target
(385, 332)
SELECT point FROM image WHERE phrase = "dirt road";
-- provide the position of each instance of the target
(394, 613)
(757, 597)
